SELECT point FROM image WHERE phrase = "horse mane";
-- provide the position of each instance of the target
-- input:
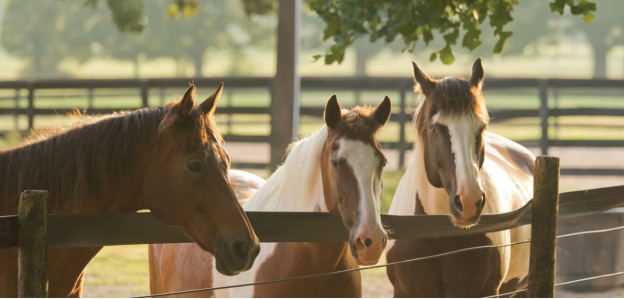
(78, 163)
(296, 185)
(451, 96)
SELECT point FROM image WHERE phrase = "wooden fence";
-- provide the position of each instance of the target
(147, 88)
(32, 230)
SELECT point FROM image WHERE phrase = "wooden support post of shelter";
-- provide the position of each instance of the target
(33, 245)
(286, 85)
(544, 228)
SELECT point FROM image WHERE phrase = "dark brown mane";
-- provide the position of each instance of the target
(357, 123)
(76, 165)
(451, 96)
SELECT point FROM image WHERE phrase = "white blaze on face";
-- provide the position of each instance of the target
(463, 133)
(362, 159)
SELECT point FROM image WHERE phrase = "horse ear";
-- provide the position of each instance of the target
(185, 106)
(476, 77)
(208, 105)
(426, 83)
(382, 112)
(333, 112)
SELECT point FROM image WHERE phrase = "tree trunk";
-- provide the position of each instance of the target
(199, 65)
(600, 61)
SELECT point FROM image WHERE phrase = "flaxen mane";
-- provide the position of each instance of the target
(76, 164)
(452, 96)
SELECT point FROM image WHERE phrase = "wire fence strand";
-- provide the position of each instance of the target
(403, 262)
(563, 283)
(337, 272)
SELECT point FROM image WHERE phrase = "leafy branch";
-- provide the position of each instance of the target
(413, 20)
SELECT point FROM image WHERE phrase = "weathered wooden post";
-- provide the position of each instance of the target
(544, 228)
(33, 244)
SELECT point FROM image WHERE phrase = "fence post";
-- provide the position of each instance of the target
(31, 107)
(544, 113)
(286, 85)
(90, 98)
(16, 114)
(402, 120)
(33, 244)
(144, 95)
(544, 228)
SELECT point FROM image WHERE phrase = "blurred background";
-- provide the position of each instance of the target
(59, 55)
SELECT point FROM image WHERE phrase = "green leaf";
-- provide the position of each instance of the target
(433, 56)
(446, 55)
(588, 17)
(315, 58)
(500, 45)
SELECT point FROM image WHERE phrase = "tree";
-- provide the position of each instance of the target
(603, 35)
(348, 20)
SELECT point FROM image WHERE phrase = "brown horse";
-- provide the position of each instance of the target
(167, 159)
(459, 170)
(336, 170)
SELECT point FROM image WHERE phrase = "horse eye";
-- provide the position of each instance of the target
(194, 166)
(434, 130)
(335, 164)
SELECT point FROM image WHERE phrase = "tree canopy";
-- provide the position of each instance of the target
(348, 20)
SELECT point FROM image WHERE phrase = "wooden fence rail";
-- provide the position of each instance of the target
(33, 230)
(542, 88)
(80, 230)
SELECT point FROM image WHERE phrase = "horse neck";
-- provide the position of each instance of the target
(84, 172)
(297, 187)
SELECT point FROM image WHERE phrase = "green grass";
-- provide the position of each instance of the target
(118, 271)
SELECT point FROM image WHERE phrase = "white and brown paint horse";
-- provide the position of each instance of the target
(460, 170)
(336, 170)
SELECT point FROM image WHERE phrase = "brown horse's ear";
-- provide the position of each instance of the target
(333, 112)
(185, 106)
(427, 84)
(208, 105)
(476, 77)
(382, 112)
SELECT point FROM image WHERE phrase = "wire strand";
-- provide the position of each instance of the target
(589, 278)
(591, 232)
(337, 272)
(563, 283)
(396, 263)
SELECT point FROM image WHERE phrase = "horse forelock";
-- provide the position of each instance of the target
(204, 125)
(451, 97)
(357, 123)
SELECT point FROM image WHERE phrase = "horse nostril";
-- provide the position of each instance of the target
(481, 203)
(368, 242)
(458, 204)
(240, 249)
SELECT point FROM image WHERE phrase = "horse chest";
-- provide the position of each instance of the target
(297, 259)
(466, 274)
